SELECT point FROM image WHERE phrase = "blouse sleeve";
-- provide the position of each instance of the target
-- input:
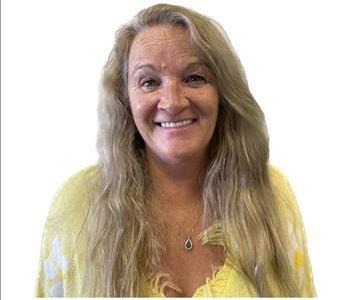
(296, 233)
(60, 266)
(52, 267)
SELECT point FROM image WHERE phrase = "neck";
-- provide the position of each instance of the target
(178, 184)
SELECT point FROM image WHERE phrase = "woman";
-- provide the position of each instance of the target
(183, 201)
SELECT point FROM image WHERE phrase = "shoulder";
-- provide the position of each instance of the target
(71, 204)
(283, 192)
(72, 197)
(278, 179)
(286, 200)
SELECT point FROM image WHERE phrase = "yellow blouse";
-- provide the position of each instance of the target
(61, 267)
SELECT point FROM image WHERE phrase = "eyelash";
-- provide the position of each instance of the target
(192, 79)
(199, 79)
(148, 81)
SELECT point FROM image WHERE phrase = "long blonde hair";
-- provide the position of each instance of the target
(122, 247)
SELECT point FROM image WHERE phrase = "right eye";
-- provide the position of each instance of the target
(149, 83)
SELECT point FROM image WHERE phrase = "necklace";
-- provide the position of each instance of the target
(188, 243)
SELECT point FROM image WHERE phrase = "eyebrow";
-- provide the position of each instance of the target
(143, 66)
(153, 68)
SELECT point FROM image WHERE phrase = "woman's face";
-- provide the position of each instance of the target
(173, 98)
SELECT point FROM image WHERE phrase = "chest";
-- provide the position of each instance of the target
(189, 270)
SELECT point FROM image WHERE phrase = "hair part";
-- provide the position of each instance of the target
(122, 247)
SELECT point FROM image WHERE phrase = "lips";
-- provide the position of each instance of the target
(176, 124)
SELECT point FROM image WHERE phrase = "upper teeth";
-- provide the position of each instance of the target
(176, 124)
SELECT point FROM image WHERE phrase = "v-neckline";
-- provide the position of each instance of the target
(208, 282)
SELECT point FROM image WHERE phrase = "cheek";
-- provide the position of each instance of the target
(207, 95)
(211, 104)
(212, 110)
(142, 108)
(215, 102)
(135, 107)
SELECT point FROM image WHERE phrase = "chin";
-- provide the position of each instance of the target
(178, 153)
(178, 156)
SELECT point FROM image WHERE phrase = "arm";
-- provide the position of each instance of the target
(62, 255)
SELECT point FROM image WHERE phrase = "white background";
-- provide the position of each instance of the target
(296, 55)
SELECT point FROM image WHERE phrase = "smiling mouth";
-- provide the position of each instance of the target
(176, 124)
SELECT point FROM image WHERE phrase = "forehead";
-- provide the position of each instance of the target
(160, 44)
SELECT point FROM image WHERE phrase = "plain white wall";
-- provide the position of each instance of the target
(296, 56)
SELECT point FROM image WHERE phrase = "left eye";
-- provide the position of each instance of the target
(150, 83)
(195, 79)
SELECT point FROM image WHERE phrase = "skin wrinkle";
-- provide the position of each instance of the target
(172, 99)
(121, 259)
(176, 89)
(190, 66)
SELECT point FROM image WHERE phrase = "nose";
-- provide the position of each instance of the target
(172, 99)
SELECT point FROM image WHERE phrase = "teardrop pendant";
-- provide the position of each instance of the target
(188, 244)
